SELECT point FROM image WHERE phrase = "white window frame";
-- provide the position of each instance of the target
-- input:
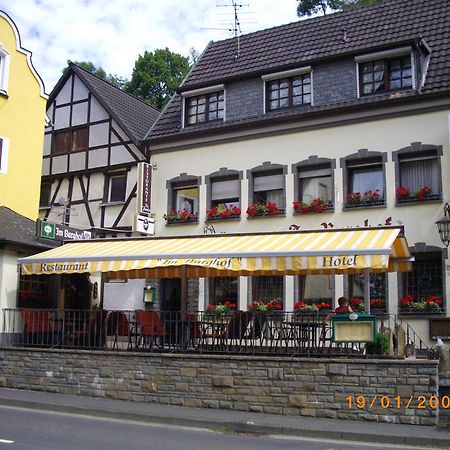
(402, 51)
(197, 92)
(4, 70)
(4, 155)
(287, 74)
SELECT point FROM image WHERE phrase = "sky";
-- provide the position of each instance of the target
(113, 33)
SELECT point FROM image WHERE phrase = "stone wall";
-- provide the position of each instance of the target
(388, 390)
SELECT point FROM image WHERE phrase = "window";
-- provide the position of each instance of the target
(364, 179)
(377, 287)
(117, 186)
(4, 144)
(316, 289)
(44, 199)
(4, 70)
(385, 74)
(207, 107)
(418, 173)
(314, 180)
(424, 281)
(183, 199)
(222, 289)
(267, 187)
(288, 92)
(268, 288)
(224, 194)
(70, 140)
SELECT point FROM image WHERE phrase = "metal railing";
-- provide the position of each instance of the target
(276, 333)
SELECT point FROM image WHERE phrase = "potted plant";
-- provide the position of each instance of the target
(218, 212)
(317, 205)
(377, 304)
(357, 304)
(402, 193)
(423, 193)
(182, 216)
(323, 307)
(431, 303)
(302, 307)
(221, 310)
(367, 198)
(262, 209)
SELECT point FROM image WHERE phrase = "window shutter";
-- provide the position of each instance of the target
(224, 189)
(268, 182)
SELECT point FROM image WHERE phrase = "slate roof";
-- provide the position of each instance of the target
(390, 24)
(133, 115)
(17, 229)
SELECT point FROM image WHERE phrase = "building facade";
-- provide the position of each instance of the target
(328, 122)
(22, 117)
(92, 148)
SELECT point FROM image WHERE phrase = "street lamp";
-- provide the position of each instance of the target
(444, 226)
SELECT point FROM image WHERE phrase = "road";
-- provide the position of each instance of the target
(24, 429)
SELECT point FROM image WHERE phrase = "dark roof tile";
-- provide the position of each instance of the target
(373, 28)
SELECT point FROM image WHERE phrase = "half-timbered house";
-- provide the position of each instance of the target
(92, 148)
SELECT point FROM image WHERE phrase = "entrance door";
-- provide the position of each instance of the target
(170, 294)
(77, 292)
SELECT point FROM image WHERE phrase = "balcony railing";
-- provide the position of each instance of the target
(239, 332)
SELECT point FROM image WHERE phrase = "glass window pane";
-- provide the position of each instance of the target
(284, 84)
(316, 288)
(186, 198)
(118, 186)
(417, 174)
(201, 118)
(366, 179)
(307, 98)
(223, 289)
(268, 288)
(317, 187)
(284, 102)
(274, 95)
(367, 89)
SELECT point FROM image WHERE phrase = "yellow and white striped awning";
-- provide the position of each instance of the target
(289, 253)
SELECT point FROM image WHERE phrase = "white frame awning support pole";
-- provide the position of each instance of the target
(367, 291)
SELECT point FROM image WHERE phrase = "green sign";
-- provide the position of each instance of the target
(47, 230)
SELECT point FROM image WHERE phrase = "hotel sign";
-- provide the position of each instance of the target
(144, 188)
(58, 232)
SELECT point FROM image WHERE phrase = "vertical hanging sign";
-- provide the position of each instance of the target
(144, 188)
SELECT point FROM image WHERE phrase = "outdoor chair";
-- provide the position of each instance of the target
(117, 326)
(223, 335)
(194, 332)
(256, 333)
(151, 328)
(37, 328)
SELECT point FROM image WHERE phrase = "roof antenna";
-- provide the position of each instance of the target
(235, 4)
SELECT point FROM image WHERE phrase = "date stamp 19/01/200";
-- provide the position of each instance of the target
(397, 402)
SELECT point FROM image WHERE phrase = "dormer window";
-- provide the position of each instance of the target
(204, 105)
(385, 72)
(288, 89)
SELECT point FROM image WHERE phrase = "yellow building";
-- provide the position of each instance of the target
(22, 114)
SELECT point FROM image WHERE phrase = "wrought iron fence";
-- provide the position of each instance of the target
(238, 332)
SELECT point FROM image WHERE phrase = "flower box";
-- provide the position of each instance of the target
(317, 205)
(368, 198)
(266, 209)
(217, 213)
(182, 216)
(426, 305)
(258, 306)
(404, 195)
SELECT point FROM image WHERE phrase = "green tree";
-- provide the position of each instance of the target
(115, 80)
(311, 7)
(156, 75)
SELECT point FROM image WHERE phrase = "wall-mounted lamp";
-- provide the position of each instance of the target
(444, 226)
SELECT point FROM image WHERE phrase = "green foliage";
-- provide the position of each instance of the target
(380, 346)
(311, 7)
(115, 80)
(156, 75)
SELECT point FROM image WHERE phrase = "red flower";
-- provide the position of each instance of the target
(407, 300)
(402, 192)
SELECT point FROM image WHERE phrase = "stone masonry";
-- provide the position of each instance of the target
(394, 390)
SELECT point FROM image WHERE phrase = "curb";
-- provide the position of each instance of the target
(234, 426)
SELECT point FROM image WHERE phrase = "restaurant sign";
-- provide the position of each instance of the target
(144, 188)
(59, 232)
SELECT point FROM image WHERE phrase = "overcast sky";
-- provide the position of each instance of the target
(112, 33)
